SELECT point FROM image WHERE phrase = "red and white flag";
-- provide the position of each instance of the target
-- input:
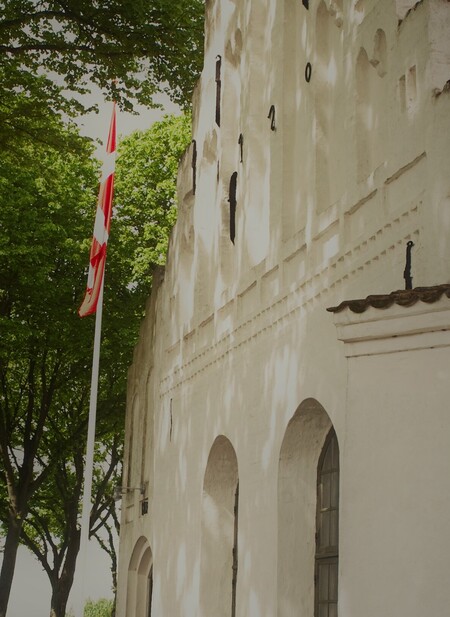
(97, 258)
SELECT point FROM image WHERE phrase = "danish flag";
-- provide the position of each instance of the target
(97, 258)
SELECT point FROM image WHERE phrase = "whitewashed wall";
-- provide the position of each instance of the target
(237, 338)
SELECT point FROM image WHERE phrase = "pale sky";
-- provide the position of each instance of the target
(96, 126)
(31, 591)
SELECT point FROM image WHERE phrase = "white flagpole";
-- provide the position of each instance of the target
(89, 464)
(96, 268)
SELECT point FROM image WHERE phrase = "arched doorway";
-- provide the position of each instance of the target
(140, 580)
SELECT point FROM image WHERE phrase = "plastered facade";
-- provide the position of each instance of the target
(335, 125)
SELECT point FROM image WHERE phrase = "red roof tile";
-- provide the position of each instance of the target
(403, 297)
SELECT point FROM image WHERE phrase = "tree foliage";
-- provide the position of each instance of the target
(139, 43)
(44, 202)
(52, 51)
(52, 531)
(145, 196)
(100, 608)
(47, 203)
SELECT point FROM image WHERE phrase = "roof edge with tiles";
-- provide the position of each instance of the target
(402, 297)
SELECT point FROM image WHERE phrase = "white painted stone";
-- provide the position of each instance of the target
(237, 345)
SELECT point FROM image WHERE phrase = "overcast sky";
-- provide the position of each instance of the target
(31, 591)
(96, 126)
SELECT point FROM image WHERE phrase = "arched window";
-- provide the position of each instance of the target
(327, 531)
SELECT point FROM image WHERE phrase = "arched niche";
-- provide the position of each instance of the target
(231, 98)
(370, 102)
(219, 531)
(327, 73)
(130, 471)
(140, 580)
(229, 162)
(256, 173)
(297, 109)
(300, 453)
(379, 60)
(364, 116)
(146, 445)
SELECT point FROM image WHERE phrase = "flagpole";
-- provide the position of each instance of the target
(89, 464)
(93, 303)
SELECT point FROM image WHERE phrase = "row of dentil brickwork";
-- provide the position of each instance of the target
(282, 459)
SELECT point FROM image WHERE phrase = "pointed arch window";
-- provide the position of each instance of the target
(327, 530)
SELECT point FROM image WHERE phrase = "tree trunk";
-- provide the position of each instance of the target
(9, 561)
(60, 596)
(61, 586)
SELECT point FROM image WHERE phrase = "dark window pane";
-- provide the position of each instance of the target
(335, 456)
(326, 492)
(328, 459)
(324, 529)
(323, 582)
(334, 489)
(332, 610)
(334, 528)
(323, 610)
(333, 582)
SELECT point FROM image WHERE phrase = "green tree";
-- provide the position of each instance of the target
(145, 198)
(46, 215)
(52, 530)
(52, 51)
(100, 608)
(45, 203)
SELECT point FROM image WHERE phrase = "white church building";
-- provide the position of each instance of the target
(288, 416)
